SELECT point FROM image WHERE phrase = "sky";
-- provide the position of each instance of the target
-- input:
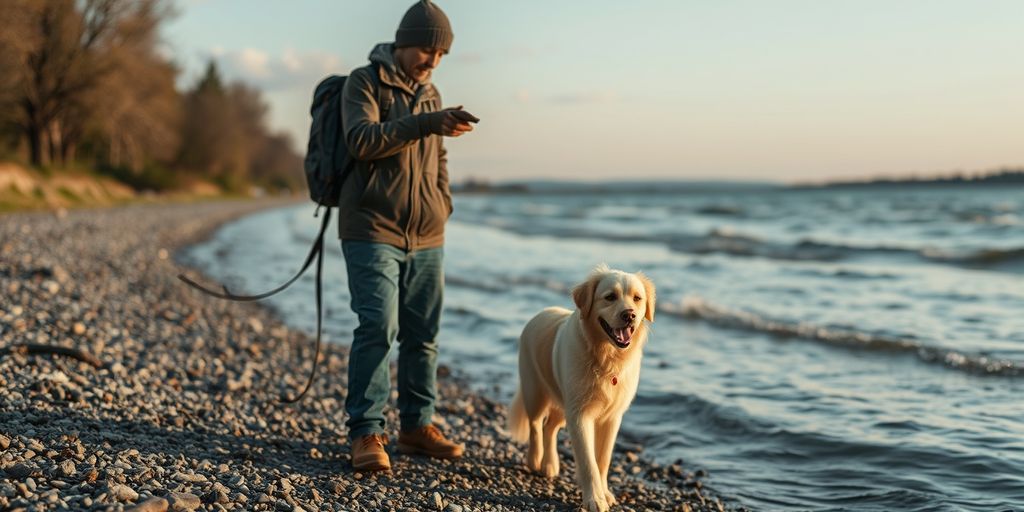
(781, 90)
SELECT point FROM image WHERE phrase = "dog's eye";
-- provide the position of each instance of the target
(609, 297)
(636, 298)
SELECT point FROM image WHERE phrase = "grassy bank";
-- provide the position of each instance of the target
(25, 189)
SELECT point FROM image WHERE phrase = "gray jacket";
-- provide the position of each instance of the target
(398, 192)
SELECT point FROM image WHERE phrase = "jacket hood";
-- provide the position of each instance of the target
(383, 56)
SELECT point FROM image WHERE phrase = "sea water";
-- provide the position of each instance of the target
(813, 349)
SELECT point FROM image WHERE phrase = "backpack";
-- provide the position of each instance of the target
(327, 165)
(327, 162)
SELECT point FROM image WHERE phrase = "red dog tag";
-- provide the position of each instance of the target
(615, 380)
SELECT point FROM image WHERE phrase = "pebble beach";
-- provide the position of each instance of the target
(167, 399)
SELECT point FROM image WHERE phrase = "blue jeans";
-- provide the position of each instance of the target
(397, 297)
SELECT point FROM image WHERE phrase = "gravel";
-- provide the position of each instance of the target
(183, 413)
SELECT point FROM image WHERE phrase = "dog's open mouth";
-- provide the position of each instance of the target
(621, 336)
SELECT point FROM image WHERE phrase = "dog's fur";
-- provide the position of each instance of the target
(573, 373)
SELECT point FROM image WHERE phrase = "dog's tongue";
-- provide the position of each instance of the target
(622, 335)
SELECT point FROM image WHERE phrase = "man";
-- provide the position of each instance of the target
(391, 225)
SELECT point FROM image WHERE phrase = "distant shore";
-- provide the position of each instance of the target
(1011, 177)
(182, 411)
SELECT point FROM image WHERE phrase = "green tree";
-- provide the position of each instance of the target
(225, 137)
(211, 137)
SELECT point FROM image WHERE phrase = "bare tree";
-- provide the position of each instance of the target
(65, 51)
(139, 105)
(225, 137)
(54, 68)
(86, 78)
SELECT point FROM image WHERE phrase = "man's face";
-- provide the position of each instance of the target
(417, 62)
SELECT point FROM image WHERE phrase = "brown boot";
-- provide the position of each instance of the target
(429, 441)
(368, 453)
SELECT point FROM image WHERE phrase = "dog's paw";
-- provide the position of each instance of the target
(550, 470)
(594, 504)
(609, 498)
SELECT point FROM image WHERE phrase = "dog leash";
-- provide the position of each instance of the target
(316, 252)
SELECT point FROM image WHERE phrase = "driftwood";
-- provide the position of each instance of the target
(37, 349)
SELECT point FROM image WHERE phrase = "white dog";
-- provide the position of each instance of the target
(580, 369)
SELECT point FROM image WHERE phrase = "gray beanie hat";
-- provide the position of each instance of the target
(424, 24)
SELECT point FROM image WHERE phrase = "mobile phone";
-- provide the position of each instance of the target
(462, 115)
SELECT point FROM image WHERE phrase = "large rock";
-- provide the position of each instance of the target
(22, 470)
(183, 501)
(121, 492)
(150, 505)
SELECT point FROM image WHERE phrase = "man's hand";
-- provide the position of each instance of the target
(452, 122)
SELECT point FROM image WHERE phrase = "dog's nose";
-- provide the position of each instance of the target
(628, 315)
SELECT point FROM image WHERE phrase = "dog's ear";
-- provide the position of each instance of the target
(583, 294)
(650, 293)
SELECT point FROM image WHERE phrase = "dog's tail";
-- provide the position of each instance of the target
(518, 423)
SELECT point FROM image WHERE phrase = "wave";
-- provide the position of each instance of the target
(976, 258)
(715, 421)
(724, 210)
(918, 472)
(698, 308)
(502, 284)
(472, 283)
(735, 244)
(843, 273)
(732, 243)
(998, 217)
(812, 250)
(728, 242)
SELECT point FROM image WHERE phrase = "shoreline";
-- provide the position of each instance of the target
(184, 412)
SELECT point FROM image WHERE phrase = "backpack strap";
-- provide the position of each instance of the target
(385, 97)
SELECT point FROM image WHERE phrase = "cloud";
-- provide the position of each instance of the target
(254, 63)
(290, 68)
